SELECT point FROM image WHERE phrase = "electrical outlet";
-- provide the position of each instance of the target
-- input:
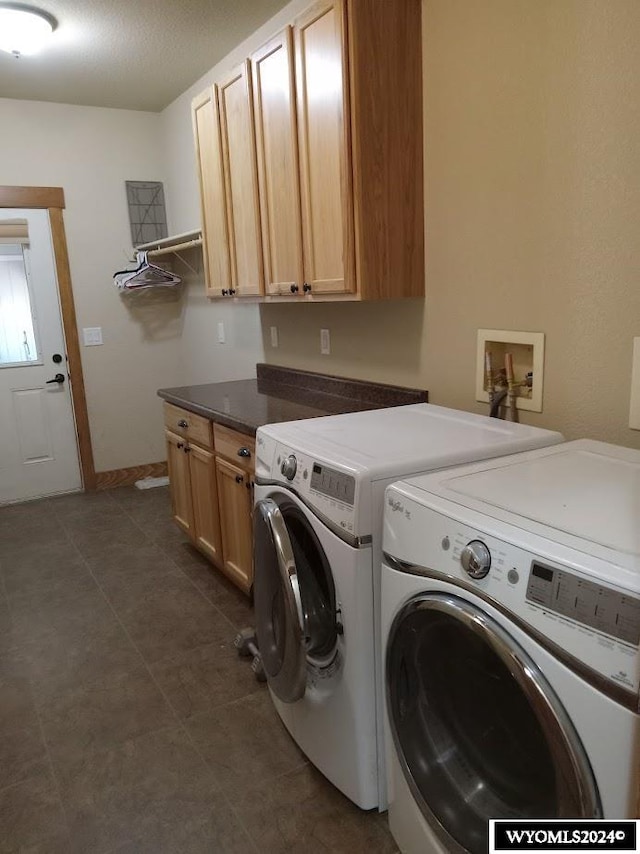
(92, 336)
(325, 342)
(274, 336)
(221, 338)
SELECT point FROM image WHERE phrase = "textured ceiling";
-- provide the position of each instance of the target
(134, 54)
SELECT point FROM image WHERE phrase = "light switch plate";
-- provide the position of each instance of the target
(325, 342)
(92, 336)
(274, 336)
(221, 333)
(634, 408)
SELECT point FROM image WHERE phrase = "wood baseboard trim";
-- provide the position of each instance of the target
(127, 477)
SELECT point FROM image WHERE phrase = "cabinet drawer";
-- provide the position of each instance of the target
(188, 424)
(235, 446)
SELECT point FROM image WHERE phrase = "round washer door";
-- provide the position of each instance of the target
(294, 598)
(479, 732)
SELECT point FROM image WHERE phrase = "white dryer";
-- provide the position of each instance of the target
(317, 547)
(511, 632)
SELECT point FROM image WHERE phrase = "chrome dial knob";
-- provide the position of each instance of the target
(476, 559)
(289, 467)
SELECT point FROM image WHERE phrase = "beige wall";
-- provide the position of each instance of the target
(90, 152)
(532, 207)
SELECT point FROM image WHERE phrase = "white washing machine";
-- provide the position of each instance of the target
(317, 524)
(511, 625)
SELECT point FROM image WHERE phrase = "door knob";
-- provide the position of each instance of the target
(59, 378)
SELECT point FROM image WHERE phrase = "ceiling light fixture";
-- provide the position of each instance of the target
(23, 29)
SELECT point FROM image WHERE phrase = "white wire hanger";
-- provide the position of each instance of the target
(145, 275)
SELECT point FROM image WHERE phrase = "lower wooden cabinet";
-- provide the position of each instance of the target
(212, 491)
(204, 494)
(180, 480)
(235, 490)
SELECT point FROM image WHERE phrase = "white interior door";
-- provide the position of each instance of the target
(38, 444)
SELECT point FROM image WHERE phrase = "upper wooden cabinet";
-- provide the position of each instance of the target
(235, 102)
(206, 129)
(337, 102)
(324, 145)
(278, 172)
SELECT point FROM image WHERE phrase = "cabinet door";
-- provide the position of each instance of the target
(278, 171)
(325, 150)
(180, 483)
(234, 491)
(235, 100)
(215, 247)
(204, 494)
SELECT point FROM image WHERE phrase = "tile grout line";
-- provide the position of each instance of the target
(52, 768)
(175, 714)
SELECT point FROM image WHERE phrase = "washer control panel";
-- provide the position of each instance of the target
(594, 605)
(563, 600)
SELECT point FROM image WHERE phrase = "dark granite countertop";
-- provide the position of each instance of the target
(284, 394)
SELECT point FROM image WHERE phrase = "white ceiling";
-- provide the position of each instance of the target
(134, 54)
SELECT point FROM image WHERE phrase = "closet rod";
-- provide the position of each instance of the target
(177, 247)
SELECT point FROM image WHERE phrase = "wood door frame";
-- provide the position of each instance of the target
(52, 200)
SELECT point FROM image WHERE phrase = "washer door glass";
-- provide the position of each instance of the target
(478, 730)
(294, 598)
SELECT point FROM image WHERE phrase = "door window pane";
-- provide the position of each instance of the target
(17, 335)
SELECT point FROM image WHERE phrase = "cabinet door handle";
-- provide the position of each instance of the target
(187, 449)
(244, 452)
(294, 289)
(239, 478)
(182, 423)
(180, 445)
(306, 288)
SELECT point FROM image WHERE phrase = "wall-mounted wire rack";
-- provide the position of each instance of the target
(173, 245)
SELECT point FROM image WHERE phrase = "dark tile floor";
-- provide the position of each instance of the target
(127, 722)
